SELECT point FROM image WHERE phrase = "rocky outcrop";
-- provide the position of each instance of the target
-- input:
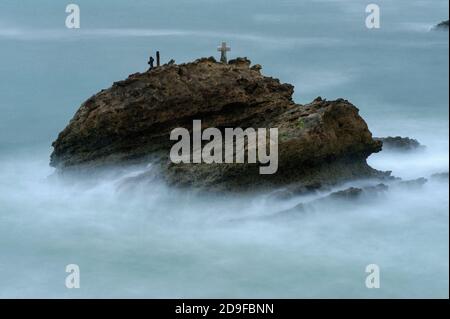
(399, 143)
(319, 143)
(443, 26)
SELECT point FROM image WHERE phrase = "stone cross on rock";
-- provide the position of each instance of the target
(223, 49)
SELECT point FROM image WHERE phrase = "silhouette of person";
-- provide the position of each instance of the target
(150, 62)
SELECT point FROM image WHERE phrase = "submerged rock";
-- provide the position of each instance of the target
(440, 177)
(297, 189)
(399, 143)
(350, 196)
(349, 193)
(414, 183)
(130, 123)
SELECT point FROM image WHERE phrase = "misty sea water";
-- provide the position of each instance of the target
(165, 243)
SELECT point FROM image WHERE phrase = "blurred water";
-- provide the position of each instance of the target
(150, 245)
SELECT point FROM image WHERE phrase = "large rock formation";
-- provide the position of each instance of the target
(321, 142)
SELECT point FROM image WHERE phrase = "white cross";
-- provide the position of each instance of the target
(223, 49)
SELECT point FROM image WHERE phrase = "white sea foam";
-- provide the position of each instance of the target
(160, 242)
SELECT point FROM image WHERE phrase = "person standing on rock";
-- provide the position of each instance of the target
(150, 62)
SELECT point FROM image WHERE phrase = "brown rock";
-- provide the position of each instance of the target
(324, 141)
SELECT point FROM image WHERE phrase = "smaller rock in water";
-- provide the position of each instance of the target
(296, 190)
(440, 177)
(376, 189)
(443, 26)
(355, 193)
(415, 183)
(349, 193)
(399, 143)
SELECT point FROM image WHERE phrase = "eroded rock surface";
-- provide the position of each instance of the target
(130, 123)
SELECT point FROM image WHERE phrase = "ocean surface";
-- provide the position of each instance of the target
(163, 243)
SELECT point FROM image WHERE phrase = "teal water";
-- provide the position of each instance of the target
(150, 245)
